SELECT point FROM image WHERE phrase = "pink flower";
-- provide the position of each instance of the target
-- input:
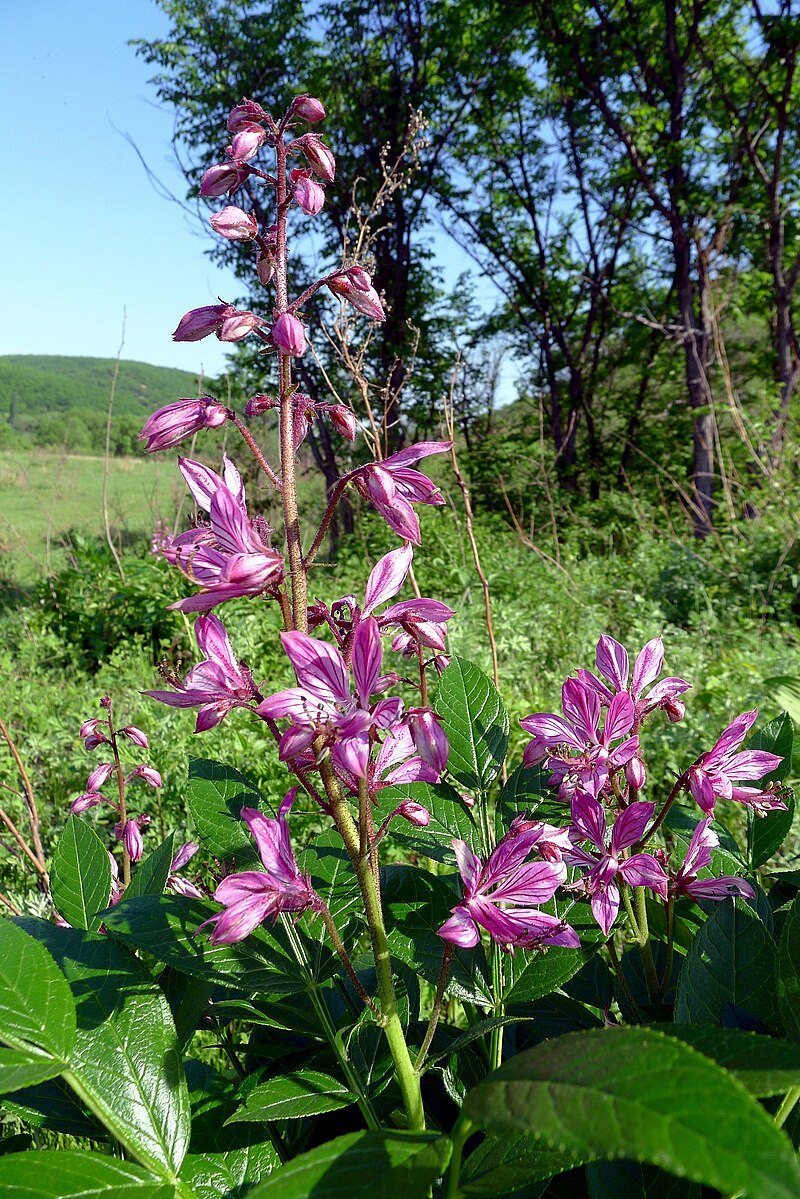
(713, 775)
(244, 114)
(502, 894)
(318, 156)
(574, 747)
(612, 662)
(322, 704)
(182, 886)
(147, 774)
(309, 108)
(99, 776)
(607, 864)
(247, 142)
(343, 420)
(84, 802)
(235, 224)
(217, 684)
(134, 735)
(355, 286)
(225, 321)
(130, 834)
(309, 194)
(698, 857)
(171, 425)
(392, 487)
(222, 179)
(288, 335)
(230, 556)
(252, 896)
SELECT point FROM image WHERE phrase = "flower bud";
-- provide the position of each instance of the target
(258, 404)
(635, 774)
(222, 179)
(148, 775)
(235, 224)
(95, 739)
(89, 726)
(430, 739)
(100, 775)
(308, 108)
(289, 336)
(173, 424)
(309, 194)
(184, 855)
(237, 325)
(414, 813)
(84, 802)
(247, 143)
(344, 421)
(675, 709)
(245, 113)
(135, 735)
(131, 838)
(318, 156)
(200, 322)
(364, 299)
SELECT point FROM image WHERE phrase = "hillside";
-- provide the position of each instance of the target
(62, 401)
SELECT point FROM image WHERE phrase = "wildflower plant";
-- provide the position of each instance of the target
(470, 979)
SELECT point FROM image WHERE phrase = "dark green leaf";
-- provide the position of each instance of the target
(36, 1007)
(527, 792)
(732, 961)
(187, 997)
(416, 904)
(476, 722)
(368, 1050)
(764, 1065)
(776, 738)
(80, 880)
(365, 1165)
(125, 1062)
(152, 872)
(788, 973)
(531, 974)
(53, 1105)
(450, 817)
(727, 859)
(166, 927)
(76, 1174)
(216, 796)
(290, 1096)
(504, 1165)
(229, 1175)
(634, 1093)
(769, 832)
(19, 1068)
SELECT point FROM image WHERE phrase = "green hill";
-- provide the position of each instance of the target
(62, 402)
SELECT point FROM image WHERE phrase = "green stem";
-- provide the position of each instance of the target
(496, 1035)
(790, 1099)
(437, 1006)
(634, 923)
(623, 982)
(650, 974)
(460, 1134)
(320, 1007)
(669, 916)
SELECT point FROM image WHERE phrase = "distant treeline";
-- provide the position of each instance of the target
(62, 402)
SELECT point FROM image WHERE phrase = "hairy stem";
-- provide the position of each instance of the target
(437, 1006)
(255, 450)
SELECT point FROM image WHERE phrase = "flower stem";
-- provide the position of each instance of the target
(344, 957)
(650, 974)
(680, 783)
(789, 1101)
(255, 450)
(126, 860)
(335, 496)
(460, 1135)
(437, 1006)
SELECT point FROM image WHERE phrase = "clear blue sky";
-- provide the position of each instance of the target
(84, 234)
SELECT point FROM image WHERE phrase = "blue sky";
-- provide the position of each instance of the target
(85, 235)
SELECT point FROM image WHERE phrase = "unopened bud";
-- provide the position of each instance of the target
(247, 143)
(289, 336)
(675, 710)
(414, 813)
(344, 421)
(309, 194)
(100, 775)
(245, 113)
(265, 268)
(635, 774)
(136, 736)
(258, 404)
(318, 156)
(235, 224)
(309, 108)
(223, 179)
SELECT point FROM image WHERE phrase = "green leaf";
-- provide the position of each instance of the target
(450, 817)
(125, 1063)
(229, 1175)
(290, 1096)
(732, 961)
(216, 796)
(76, 1174)
(53, 1105)
(21, 1069)
(530, 975)
(634, 1093)
(476, 722)
(364, 1165)
(416, 904)
(36, 1006)
(764, 1065)
(166, 927)
(776, 737)
(788, 973)
(632, 1180)
(769, 832)
(505, 1165)
(153, 871)
(525, 790)
(80, 880)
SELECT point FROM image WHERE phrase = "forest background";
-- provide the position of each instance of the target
(587, 237)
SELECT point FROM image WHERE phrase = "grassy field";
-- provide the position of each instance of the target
(44, 495)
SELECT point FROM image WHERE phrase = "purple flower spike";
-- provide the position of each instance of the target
(215, 685)
(501, 895)
(355, 286)
(252, 896)
(713, 775)
(222, 179)
(607, 864)
(698, 857)
(309, 195)
(171, 425)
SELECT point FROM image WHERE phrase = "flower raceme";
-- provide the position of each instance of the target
(502, 896)
(223, 320)
(253, 895)
(613, 664)
(230, 556)
(698, 857)
(714, 776)
(217, 684)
